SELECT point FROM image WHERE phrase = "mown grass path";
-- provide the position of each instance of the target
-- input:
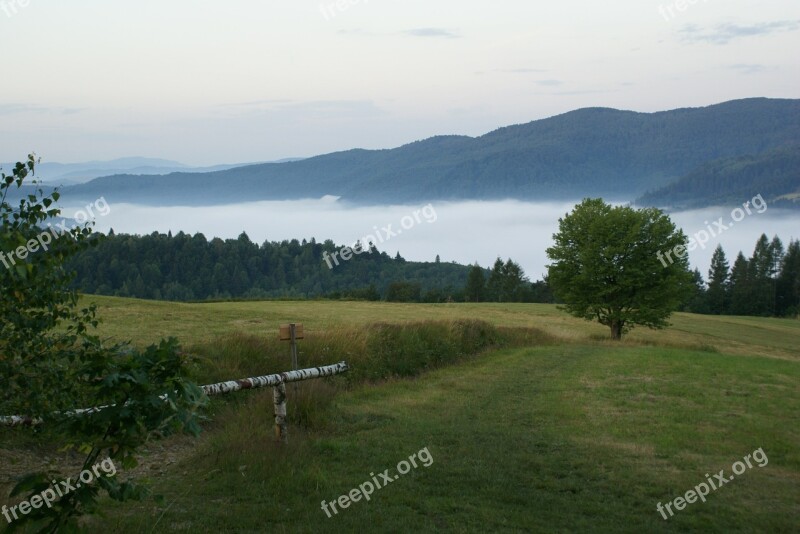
(548, 439)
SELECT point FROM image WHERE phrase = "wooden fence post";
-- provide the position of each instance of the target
(293, 328)
(277, 381)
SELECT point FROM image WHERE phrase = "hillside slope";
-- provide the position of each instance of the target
(589, 152)
(774, 174)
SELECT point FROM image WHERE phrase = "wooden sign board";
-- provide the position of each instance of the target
(286, 331)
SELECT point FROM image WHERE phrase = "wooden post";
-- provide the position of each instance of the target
(293, 328)
(279, 398)
(292, 332)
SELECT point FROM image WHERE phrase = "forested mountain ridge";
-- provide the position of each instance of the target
(774, 174)
(588, 152)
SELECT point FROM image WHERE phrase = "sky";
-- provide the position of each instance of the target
(206, 82)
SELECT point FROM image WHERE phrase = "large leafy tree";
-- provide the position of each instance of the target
(606, 266)
(51, 362)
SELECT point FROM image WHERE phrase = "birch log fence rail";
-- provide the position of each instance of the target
(277, 381)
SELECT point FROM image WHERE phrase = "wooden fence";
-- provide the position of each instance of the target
(277, 381)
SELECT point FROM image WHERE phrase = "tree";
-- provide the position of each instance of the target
(788, 282)
(607, 266)
(476, 284)
(761, 273)
(541, 292)
(494, 286)
(698, 301)
(403, 292)
(741, 287)
(718, 283)
(513, 282)
(52, 363)
(507, 282)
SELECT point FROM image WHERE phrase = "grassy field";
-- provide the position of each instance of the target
(144, 322)
(569, 433)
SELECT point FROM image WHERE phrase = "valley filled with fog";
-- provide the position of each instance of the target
(464, 232)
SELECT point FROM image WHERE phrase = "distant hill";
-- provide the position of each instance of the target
(774, 174)
(619, 155)
(54, 173)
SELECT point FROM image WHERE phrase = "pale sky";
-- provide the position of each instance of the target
(207, 82)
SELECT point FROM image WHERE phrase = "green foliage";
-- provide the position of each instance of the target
(697, 301)
(741, 287)
(606, 266)
(508, 283)
(718, 283)
(765, 285)
(773, 174)
(788, 282)
(403, 292)
(408, 349)
(475, 289)
(52, 364)
(184, 267)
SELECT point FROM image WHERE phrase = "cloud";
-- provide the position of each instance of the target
(549, 83)
(432, 32)
(257, 103)
(300, 112)
(748, 68)
(522, 71)
(13, 109)
(725, 33)
(356, 31)
(577, 93)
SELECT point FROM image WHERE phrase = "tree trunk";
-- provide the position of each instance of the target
(616, 329)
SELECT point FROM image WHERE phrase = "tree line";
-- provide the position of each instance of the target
(184, 267)
(766, 284)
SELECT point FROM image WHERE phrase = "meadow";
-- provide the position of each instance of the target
(534, 421)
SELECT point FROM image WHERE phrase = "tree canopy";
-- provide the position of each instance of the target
(607, 267)
(51, 363)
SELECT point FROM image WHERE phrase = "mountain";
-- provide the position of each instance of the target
(589, 152)
(53, 173)
(774, 174)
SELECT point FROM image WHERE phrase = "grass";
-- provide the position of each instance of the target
(562, 430)
(567, 438)
(145, 322)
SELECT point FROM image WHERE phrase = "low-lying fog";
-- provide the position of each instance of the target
(465, 232)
